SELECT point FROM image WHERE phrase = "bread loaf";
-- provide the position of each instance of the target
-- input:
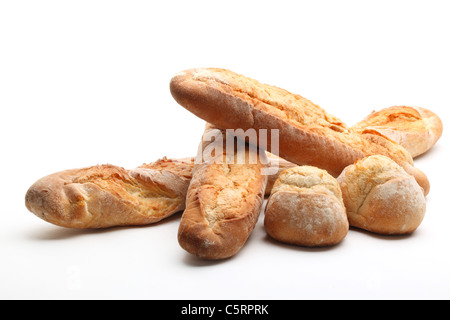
(224, 199)
(106, 195)
(416, 129)
(307, 134)
(381, 197)
(306, 208)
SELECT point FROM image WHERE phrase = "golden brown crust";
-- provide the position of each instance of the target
(308, 135)
(279, 165)
(381, 197)
(105, 195)
(416, 129)
(306, 209)
(223, 203)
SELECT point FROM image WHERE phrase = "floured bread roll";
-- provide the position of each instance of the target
(381, 197)
(306, 208)
(414, 128)
(224, 198)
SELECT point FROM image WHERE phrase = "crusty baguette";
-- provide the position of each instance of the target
(307, 134)
(223, 201)
(106, 195)
(381, 197)
(416, 129)
(306, 208)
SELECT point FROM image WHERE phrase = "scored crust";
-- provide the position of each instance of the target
(223, 203)
(416, 129)
(381, 197)
(306, 208)
(105, 195)
(307, 134)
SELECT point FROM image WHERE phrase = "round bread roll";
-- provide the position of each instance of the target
(306, 208)
(381, 197)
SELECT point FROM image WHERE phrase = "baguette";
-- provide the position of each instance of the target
(381, 197)
(306, 208)
(106, 196)
(416, 129)
(224, 199)
(307, 134)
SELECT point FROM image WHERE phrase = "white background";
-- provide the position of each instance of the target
(87, 82)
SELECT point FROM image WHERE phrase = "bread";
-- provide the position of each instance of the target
(224, 199)
(306, 208)
(106, 195)
(416, 129)
(307, 134)
(277, 166)
(381, 197)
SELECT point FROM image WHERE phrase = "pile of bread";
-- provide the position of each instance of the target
(328, 176)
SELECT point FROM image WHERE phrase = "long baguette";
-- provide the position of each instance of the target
(224, 200)
(106, 196)
(307, 134)
(54, 199)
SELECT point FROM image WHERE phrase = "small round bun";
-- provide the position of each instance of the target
(381, 197)
(305, 208)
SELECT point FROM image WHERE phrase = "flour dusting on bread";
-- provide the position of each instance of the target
(306, 208)
(382, 197)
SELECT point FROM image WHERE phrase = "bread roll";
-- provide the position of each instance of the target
(277, 165)
(381, 197)
(416, 129)
(106, 195)
(307, 134)
(306, 208)
(224, 199)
